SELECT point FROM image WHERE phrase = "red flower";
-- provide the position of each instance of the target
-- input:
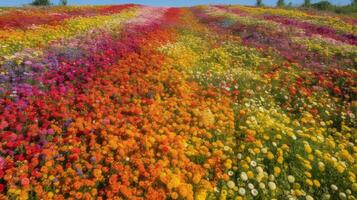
(3, 124)
(336, 90)
(25, 182)
(250, 138)
(165, 149)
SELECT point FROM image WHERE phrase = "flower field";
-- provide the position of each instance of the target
(206, 102)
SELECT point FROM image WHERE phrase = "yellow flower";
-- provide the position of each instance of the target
(174, 182)
(256, 150)
(354, 187)
(280, 159)
(340, 168)
(50, 195)
(321, 166)
(308, 174)
(298, 192)
(97, 173)
(201, 195)
(270, 156)
(308, 148)
(331, 143)
(250, 174)
(309, 182)
(277, 171)
(207, 118)
(317, 183)
(245, 166)
(285, 147)
(113, 143)
(223, 195)
(228, 164)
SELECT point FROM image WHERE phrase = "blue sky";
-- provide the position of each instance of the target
(163, 2)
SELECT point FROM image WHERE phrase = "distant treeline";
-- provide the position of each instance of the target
(47, 3)
(321, 5)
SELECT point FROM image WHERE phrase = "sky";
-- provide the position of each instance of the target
(164, 2)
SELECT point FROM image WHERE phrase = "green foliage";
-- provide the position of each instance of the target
(349, 9)
(41, 3)
(323, 5)
(63, 2)
(307, 3)
(259, 3)
(280, 3)
(327, 6)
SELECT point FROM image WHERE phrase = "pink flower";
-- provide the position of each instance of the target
(2, 163)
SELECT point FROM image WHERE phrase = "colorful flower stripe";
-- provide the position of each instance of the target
(28, 18)
(12, 41)
(284, 152)
(89, 66)
(308, 28)
(270, 34)
(345, 18)
(330, 21)
(180, 103)
(23, 68)
(313, 29)
(262, 34)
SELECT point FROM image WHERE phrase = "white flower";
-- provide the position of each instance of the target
(326, 196)
(259, 169)
(231, 184)
(241, 191)
(308, 197)
(253, 163)
(264, 150)
(342, 195)
(254, 192)
(250, 186)
(226, 148)
(244, 176)
(348, 191)
(272, 185)
(334, 187)
(239, 156)
(274, 144)
(262, 185)
(291, 179)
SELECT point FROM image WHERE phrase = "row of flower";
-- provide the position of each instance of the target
(25, 18)
(15, 40)
(294, 126)
(179, 103)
